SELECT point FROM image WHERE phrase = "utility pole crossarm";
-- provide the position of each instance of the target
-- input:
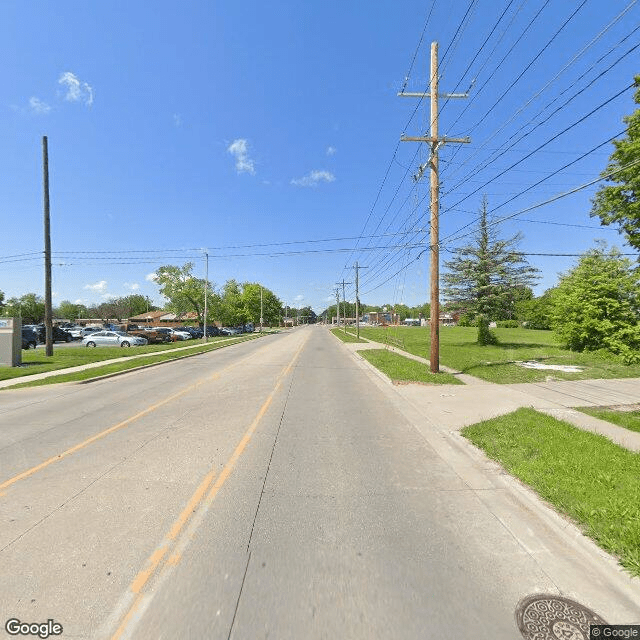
(442, 140)
(409, 94)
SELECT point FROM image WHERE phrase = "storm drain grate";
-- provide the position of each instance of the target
(546, 617)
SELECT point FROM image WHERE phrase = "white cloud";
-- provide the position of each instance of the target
(151, 277)
(132, 286)
(79, 301)
(299, 298)
(239, 150)
(38, 106)
(177, 119)
(98, 286)
(108, 296)
(77, 91)
(314, 178)
(331, 151)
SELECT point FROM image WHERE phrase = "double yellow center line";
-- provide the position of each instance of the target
(193, 512)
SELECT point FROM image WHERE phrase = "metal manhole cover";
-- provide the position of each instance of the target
(546, 617)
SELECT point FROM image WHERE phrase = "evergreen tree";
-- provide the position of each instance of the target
(488, 276)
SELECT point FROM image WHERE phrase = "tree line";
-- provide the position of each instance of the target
(233, 304)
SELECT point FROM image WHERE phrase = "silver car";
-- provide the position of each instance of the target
(112, 339)
(77, 333)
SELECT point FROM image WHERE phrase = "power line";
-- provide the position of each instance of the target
(555, 137)
(528, 66)
(501, 151)
(550, 200)
(511, 216)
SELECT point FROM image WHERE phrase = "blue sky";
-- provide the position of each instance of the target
(264, 132)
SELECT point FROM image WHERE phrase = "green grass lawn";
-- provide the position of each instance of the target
(627, 419)
(346, 337)
(402, 369)
(36, 362)
(458, 350)
(584, 475)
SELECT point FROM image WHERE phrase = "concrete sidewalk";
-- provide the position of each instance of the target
(579, 569)
(453, 407)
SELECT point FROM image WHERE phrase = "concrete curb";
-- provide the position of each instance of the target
(552, 540)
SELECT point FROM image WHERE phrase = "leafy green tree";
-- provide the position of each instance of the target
(307, 315)
(125, 307)
(183, 290)
(487, 277)
(71, 310)
(136, 304)
(271, 304)
(536, 312)
(29, 306)
(233, 311)
(1, 301)
(597, 304)
(619, 203)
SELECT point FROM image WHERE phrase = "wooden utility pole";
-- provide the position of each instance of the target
(357, 267)
(344, 304)
(48, 316)
(338, 305)
(206, 290)
(435, 141)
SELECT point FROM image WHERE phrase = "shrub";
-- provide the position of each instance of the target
(485, 335)
(467, 320)
(508, 324)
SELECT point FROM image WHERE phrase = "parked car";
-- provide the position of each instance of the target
(182, 335)
(77, 333)
(88, 330)
(212, 331)
(29, 338)
(166, 331)
(152, 336)
(112, 339)
(194, 333)
(58, 334)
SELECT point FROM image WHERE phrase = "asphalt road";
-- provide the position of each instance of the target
(265, 490)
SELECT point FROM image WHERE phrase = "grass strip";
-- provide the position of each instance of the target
(345, 337)
(626, 419)
(402, 369)
(35, 361)
(118, 367)
(583, 475)
(497, 363)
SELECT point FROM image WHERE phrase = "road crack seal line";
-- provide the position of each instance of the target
(136, 599)
(255, 517)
